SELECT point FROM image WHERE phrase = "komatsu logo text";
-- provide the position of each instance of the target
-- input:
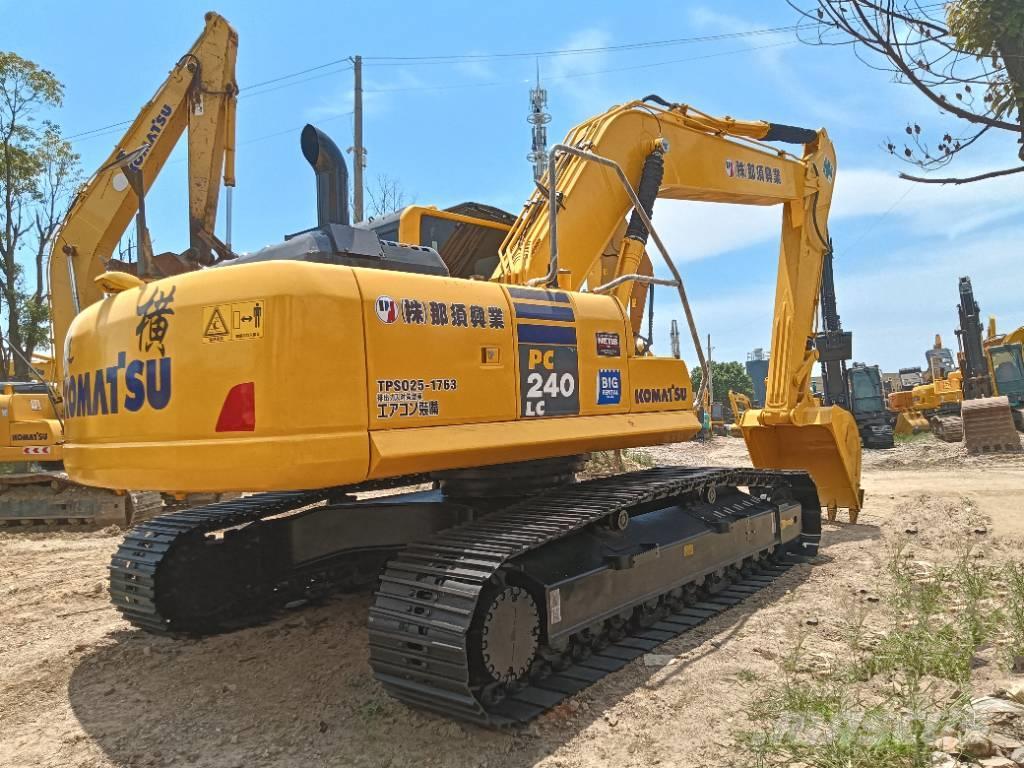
(660, 395)
(130, 384)
(156, 127)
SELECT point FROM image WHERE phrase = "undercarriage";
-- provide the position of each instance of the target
(487, 608)
(47, 497)
(876, 432)
(947, 423)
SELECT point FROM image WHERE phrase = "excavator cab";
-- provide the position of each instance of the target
(1008, 377)
(467, 236)
(867, 403)
(1008, 370)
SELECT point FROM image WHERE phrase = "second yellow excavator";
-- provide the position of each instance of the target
(199, 96)
(508, 586)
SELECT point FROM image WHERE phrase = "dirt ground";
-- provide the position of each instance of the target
(78, 687)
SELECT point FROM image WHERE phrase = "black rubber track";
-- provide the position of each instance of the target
(146, 594)
(136, 581)
(421, 619)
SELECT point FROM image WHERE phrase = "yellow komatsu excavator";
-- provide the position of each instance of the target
(909, 420)
(508, 586)
(199, 94)
(987, 414)
(938, 399)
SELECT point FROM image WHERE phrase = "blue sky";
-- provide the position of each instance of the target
(457, 131)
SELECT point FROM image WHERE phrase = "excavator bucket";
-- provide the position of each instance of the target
(988, 426)
(823, 441)
(910, 423)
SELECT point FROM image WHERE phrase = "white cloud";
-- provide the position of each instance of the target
(378, 94)
(564, 74)
(894, 312)
(476, 69)
(929, 209)
(695, 230)
(769, 51)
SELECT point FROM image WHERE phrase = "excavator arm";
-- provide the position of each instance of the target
(199, 94)
(688, 155)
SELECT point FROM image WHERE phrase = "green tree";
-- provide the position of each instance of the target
(39, 174)
(724, 376)
(965, 56)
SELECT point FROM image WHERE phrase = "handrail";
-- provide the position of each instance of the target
(552, 276)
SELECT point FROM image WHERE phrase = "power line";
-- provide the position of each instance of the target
(449, 58)
(301, 72)
(583, 74)
(275, 134)
(249, 92)
(246, 92)
(457, 58)
(98, 130)
(865, 232)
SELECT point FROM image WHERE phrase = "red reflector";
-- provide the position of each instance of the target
(238, 414)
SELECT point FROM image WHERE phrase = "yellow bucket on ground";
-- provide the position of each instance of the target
(821, 440)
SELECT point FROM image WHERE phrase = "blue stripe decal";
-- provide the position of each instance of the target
(545, 334)
(537, 294)
(544, 312)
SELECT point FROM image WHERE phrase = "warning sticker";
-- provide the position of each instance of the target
(216, 325)
(235, 321)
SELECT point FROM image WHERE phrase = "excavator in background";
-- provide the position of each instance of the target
(868, 405)
(740, 404)
(860, 389)
(199, 94)
(1006, 366)
(938, 399)
(508, 586)
(909, 421)
(988, 424)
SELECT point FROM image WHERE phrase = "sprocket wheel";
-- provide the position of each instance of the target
(509, 635)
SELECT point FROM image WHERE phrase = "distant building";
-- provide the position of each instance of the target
(757, 370)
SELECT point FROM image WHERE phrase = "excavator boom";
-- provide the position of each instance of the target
(712, 160)
(199, 95)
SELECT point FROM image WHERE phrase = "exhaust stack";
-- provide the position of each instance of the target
(331, 176)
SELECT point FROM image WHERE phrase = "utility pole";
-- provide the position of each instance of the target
(710, 391)
(358, 150)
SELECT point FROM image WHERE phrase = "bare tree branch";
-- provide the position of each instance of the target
(954, 53)
(964, 180)
(386, 195)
